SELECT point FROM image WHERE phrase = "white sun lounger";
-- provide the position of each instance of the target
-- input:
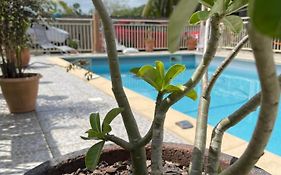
(42, 40)
(123, 49)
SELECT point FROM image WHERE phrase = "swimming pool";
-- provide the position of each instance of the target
(236, 85)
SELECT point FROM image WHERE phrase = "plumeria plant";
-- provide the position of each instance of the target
(218, 11)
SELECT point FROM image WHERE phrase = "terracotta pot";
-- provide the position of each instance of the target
(177, 153)
(25, 56)
(20, 93)
(191, 43)
(149, 45)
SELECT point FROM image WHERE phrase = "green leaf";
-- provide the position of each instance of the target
(199, 16)
(172, 73)
(106, 129)
(179, 88)
(218, 7)
(236, 5)
(192, 94)
(108, 119)
(135, 70)
(177, 22)
(95, 135)
(234, 23)
(207, 3)
(172, 88)
(95, 122)
(93, 155)
(161, 68)
(266, 16)
(151, 76)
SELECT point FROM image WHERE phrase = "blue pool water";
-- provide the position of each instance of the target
(236, 85)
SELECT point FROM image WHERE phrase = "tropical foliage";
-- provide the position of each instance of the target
(159, 8)
(128, 12)
(60, 8)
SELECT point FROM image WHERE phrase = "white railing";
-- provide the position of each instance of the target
(78, 29)
(132, 33)
(135, 34)
(229, 39)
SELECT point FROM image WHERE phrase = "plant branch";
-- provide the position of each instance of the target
(118, 141)
(138, 155)
(117, 86)
(262, 49)
(201, 131)
(202, 67)
(200, 140)
(224, 64)
(202, 119)
(226, 123)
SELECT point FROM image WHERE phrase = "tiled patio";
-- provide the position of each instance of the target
(54, 129)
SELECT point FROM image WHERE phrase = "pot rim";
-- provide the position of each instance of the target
(66, 159)
(30, 77)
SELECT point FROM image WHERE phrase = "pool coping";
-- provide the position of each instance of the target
(231, 144)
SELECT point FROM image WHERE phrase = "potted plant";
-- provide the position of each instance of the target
(18, 88)
(168, 94)
(149, 41)
(191, 42)
(73, 43)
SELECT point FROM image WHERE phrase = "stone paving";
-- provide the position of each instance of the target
(61, 117)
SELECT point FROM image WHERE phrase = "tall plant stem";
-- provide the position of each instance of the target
(270, 92)
(206, 92)
(138, 155)
(157, 138)
(201, 131)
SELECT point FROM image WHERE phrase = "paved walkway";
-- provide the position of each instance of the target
(54, 129)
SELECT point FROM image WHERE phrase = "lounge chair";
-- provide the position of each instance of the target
(42, 40)
(122, 48)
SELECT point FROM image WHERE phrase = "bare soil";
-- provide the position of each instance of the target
(124, 168)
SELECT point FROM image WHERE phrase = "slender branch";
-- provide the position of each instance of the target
(138, 154)
(206, 92)
(224, 64)
(202, 119)
(202, 67)
(226, 123)
(116, 80)
(201, 131)
(118, 141)
(222, 126)
(262, 48)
